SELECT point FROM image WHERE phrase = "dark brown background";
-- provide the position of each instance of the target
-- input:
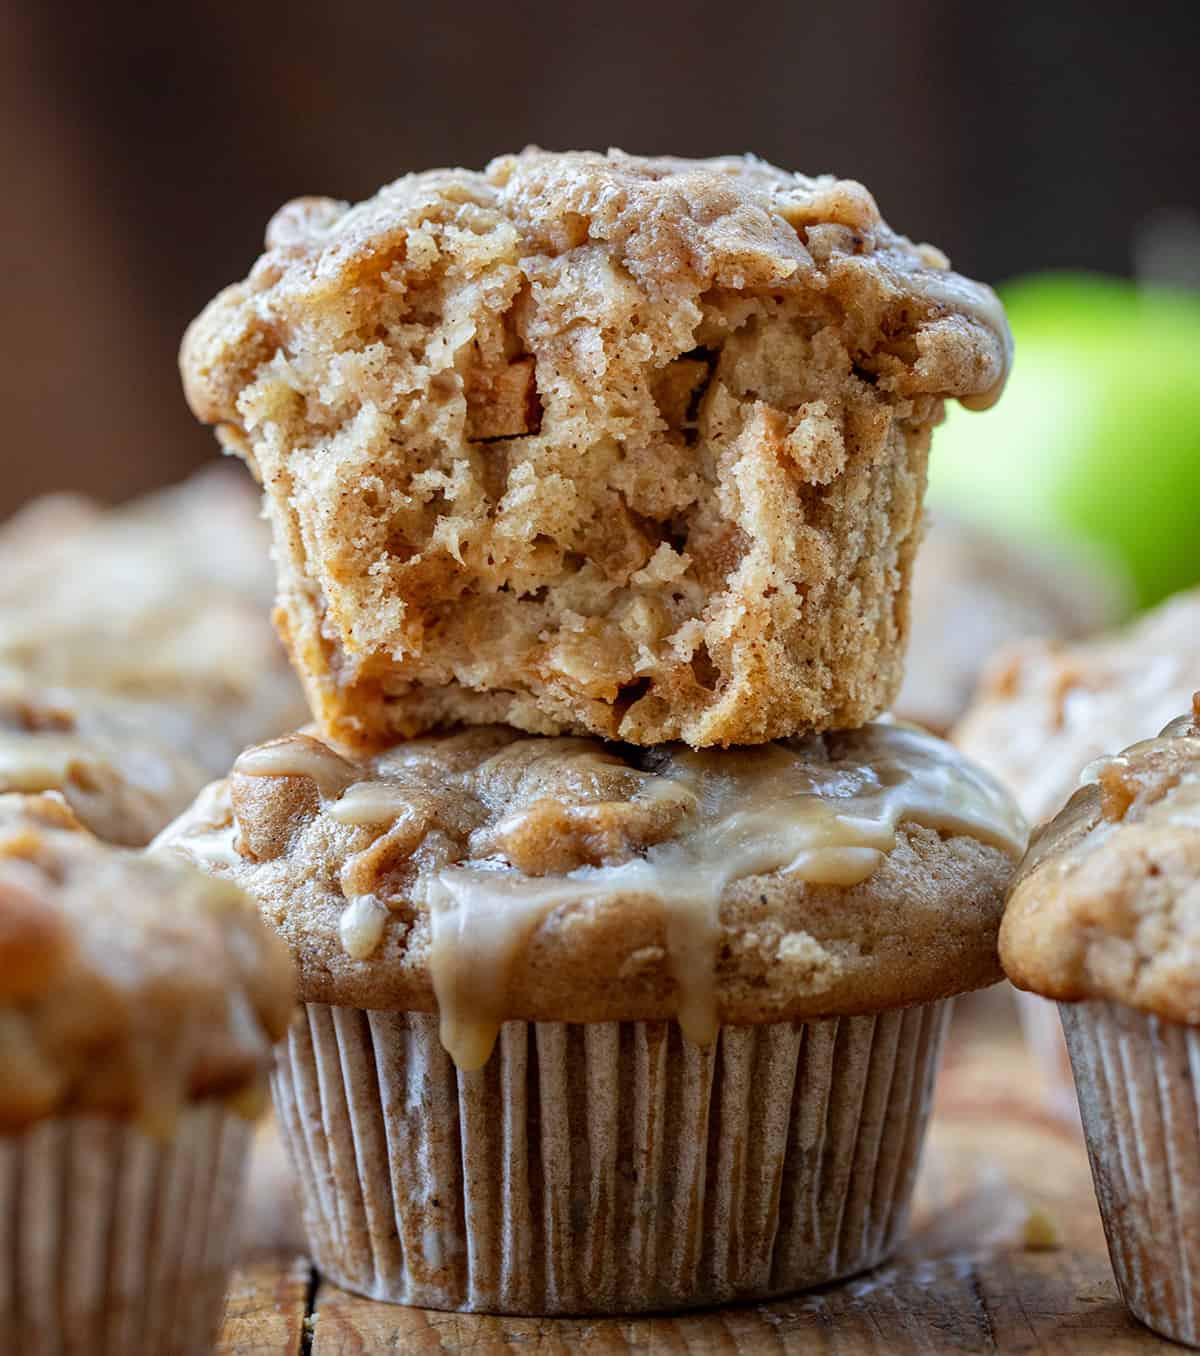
(142, 149)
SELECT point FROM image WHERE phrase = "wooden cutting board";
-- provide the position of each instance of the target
(1002, 1178)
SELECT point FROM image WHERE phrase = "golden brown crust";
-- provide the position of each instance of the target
(594, 444)
(128, 985)
(1107, 903)
(921, 925)
(1047, 709)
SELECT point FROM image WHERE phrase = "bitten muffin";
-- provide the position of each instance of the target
(1104, 917)
(975, 593)
(695, 1000)
(163, 601)
(594, 443)
(139, 1001)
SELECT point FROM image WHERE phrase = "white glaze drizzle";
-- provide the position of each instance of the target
(371, 803)
(778, 808)
(361, 926)
(300, 756)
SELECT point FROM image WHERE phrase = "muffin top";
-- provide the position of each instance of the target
(677, 226)
(975, 593)
(1107, 902)
(1047, 709)
(489, 876)
(129, 985)
(660, 424)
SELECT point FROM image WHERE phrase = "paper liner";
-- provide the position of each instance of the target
(115, 1244)
(1138, 1078)
(1044, 1035)
(606, 1168)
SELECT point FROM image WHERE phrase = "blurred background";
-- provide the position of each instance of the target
(144, 148)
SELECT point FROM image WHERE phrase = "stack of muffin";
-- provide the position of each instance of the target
(624, 938)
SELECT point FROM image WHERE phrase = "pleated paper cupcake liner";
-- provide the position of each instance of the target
(1043, 1034)
(606, 1168)
(116, 1244)
(1138, 1078)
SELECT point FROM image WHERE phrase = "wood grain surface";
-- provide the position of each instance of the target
(1006, 1254)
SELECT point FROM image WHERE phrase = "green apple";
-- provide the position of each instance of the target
(1097, 436)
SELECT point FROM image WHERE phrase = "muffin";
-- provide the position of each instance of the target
(1047, 709)
(164, 602)
(974, 593)
(138, 1004)
(690, 1004)
(126, 768)
(594, 444)
(1104, 918)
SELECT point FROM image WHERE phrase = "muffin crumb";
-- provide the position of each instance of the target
(660, 424)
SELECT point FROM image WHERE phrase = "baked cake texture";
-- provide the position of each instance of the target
(140, 1004)
(664, 975)
(1107, 902)
(129, 985)
(594, 443)
(586, 882)
(1046, 709)
(1104, 917)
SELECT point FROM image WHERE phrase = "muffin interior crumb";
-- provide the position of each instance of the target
(607, 445)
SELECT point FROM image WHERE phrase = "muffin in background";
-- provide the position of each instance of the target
(139, 1002)
(125, 767)
(165, 600)
(1104, 918)
(594, 444)
(974, 593)
(1047, 709)
(696, 1001)
(137, 657)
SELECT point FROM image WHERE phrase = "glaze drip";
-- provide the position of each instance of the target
(824, 808)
